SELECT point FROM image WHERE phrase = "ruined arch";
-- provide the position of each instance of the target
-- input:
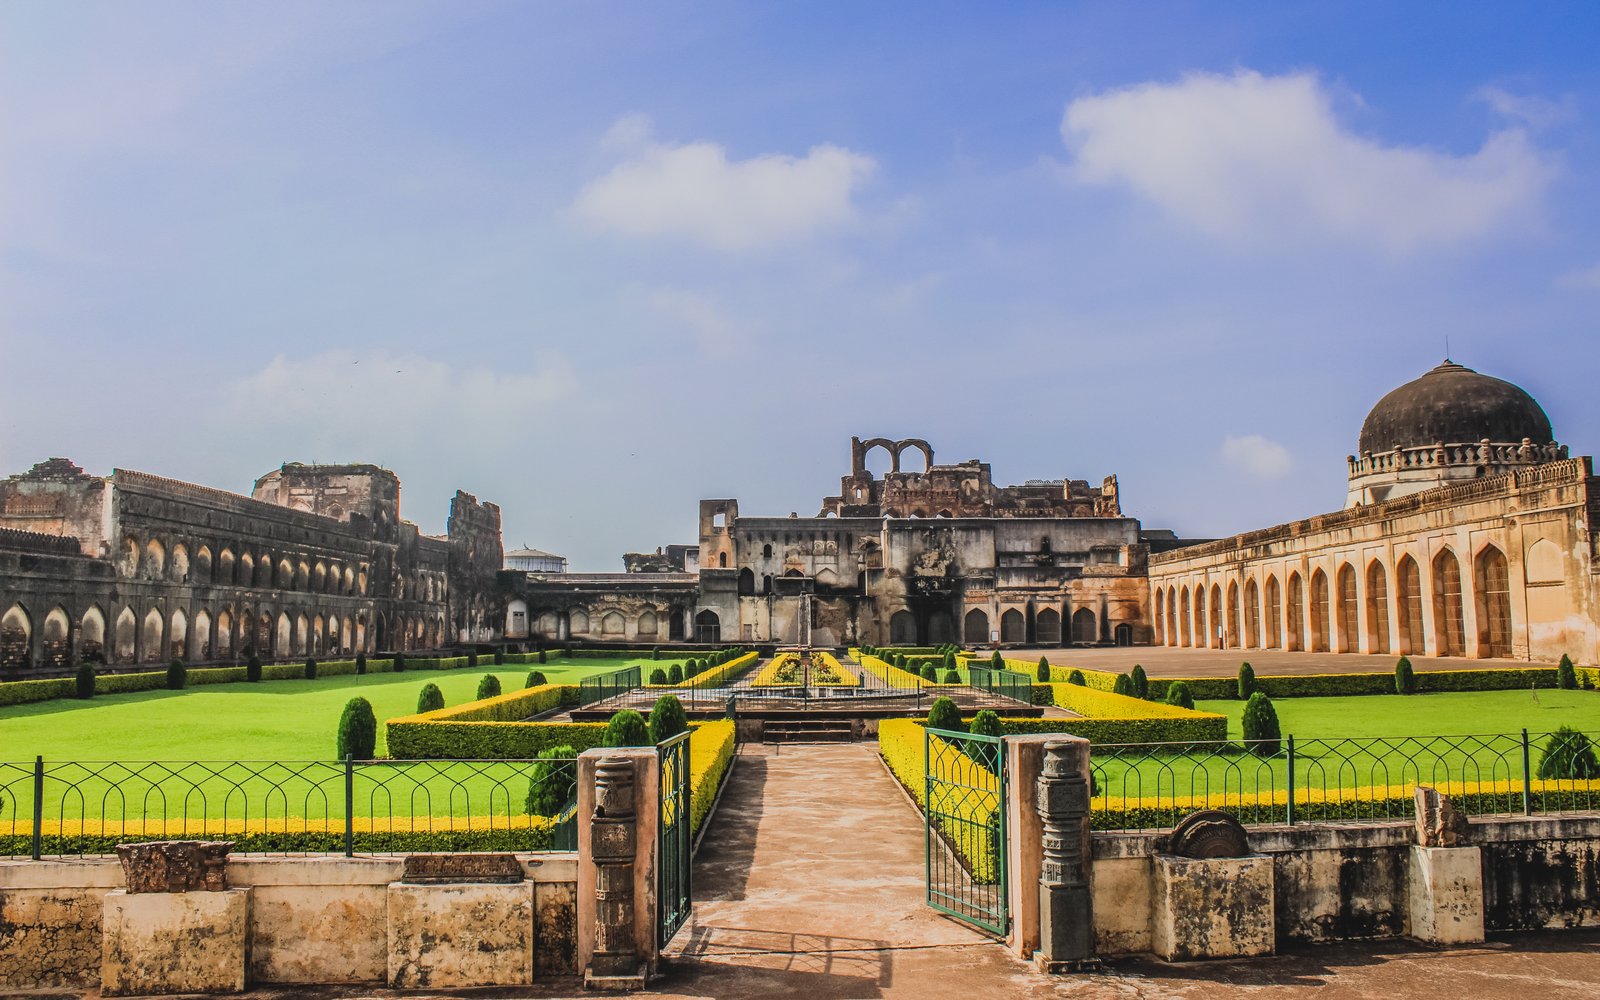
(247, 569)
(1085, 629)
(203, 564)
(56, 644)
(179, 563)
(92, 635)
(226, 567)
(154, 628)
(902, 629)
(317, 631)
(283, 641)
(319, 577)
(202, 634)
(975, 628)
(302, 633)
(264, 571)
(126, 636)
(913, 444)
(1013, 628)
(155, 559)
(179, 636)
(16, 639)
(1047, 627)
(285, 574)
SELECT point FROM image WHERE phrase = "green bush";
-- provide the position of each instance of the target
(655, 652)
(541, 656)
(997, 661)
(535, 679)
(361, 663)
(488, 687)
(930, 673)
(1178, 694)
(499, 657)
(1141, 683)
(1076, 677)
(1042, 674)
(1405, 679)
(399, 662)
(987, 723)
(83, 683)
(1247, 681)
(1260, 723)
(1566, 676)
(472, 659)
(944, 714)
(552, 781)
(667, 718)
(358, 730)
(1123, 686)
(675, 674)
(430, 698)
(658, 676)
(952, 677)
(311, 669)
(627, 728)
(1568, 755)
(252, 669)
(177, 676)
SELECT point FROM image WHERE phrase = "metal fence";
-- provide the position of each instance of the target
(965, 836)
(1151, 786)
(676, 837)
(60, 808)
(1003, 683)
(608, 685)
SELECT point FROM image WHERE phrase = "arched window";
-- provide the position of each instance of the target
(975, 629)
(1084, 628)
(1492, 584)
(647, 623)
(16, 639)
(92, 636)
(707, 627)
(902, 629)
(1448, 612)
(766, 551)
(1319, 612)
(1408, 591)
(1047, 627)
(1012, 626)
(612, 623)
(747, 582)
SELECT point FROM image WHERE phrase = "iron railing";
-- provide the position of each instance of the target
(965, 838)
(676, 836)
(1003, 683)
(60, 808)
(599, 687)
(1148, 786)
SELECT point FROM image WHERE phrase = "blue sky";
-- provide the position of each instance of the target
(595, 261)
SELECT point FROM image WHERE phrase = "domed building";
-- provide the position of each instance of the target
(1467, 531)
(1451, 424)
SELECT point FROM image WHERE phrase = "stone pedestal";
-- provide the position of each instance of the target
(460, 935)
(1211, 907)
(1444, 904)
(174, 942)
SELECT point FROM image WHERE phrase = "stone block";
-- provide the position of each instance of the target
(1122, 888)
(174, 942)
(1211, 907)
(49, 937)
(449, 936)
(1444, 904)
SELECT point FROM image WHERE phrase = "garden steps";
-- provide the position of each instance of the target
(808, 731)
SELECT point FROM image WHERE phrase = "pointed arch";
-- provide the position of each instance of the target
(648, 624)
(179, 635)
(1274, 614)
(126, 636)
(155, 559)
(1408, 592)
(224, 645)
(1347, 629)
(747, 582)
(1321, 616)
(1185, 621)
(1449, 613)
(283, 641)
(1215, 635)
(227, 566)
(1295, 640)
(203, 565)
(154, 629)
(975, 628)
(612, 623)
(1230, 635)
(16, 639)
(1161, 617)
(1252, 615)
(1085, 628)
(1047, 627)
(902, 629)
(201, 640)
(1172, 616)
(1201, 628)
(1491, 583)
(1012, 626)
(56, 636)
(92, 636)
(1377, 608)
(180, 563)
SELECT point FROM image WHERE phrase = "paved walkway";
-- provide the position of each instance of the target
(1168, 661)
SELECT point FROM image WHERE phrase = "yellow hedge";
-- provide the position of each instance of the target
(711, 748)
(847, 677)
(714, 677)
(895, 677)
(768, 676)
(967, 816)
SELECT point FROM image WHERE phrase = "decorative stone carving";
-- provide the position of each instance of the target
(613, 835)
(1209, 833)
(175, 866)
(1438, 822)
(434, 869)
(1066, 920)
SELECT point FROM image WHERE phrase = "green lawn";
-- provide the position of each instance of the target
(1443, 714)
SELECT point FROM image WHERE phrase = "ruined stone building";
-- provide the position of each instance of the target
(1467, 531)
(132, 568)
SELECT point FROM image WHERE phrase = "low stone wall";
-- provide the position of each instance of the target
(318, 919)
(1331, 882)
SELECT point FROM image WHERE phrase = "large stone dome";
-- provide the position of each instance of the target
(1453, 404)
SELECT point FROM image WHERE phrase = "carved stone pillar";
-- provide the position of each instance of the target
(1066, 915)
(612, 842)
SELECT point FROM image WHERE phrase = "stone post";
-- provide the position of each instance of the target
(1066, 915)
(618, 828)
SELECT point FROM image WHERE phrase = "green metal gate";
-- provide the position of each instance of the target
(674, 899)
(1004, 683)
(966, 828)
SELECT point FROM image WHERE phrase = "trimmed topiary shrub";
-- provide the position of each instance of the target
(667, 718)
(1566, 677)
(472, 659)
(944, 714)
(1141, 683)
(177, 676)
(1042, 673)
(399, 663)
(311, 669)
(83, 683)
(1076, 677)
(1123, 686)
(930, 673)
(535, 678)
(675, 674)
(1260, 723)
(488, 687)
(952, 677)
(430, 698)
(1405, 679)
(1178, 694)
(655, 652)
(987, 723)
(541, 656)
(627, 728)
(1247, 681)
(499, 657)
(566, 653)
(361, 663)
(552, 781)
(658, 676)
(1568, 755)
(252, 669)
(358, 730)
(997, 661)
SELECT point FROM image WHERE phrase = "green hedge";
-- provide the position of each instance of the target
(1203, 728)
(534, 839)
(474, 740)
(29, 692)
(1340, 685)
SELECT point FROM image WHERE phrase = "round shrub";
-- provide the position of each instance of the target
(552, 781)
(949, 659)
(1141, 683)
(675, 674)
(488, 687)
(1123, 686)
(1569, 755)
(399, 662)
(430, 698)
(499, 657)
(997, 661)
(83, 683)
(1076, 677)
(987, 723)
(655, 652)
(311, 669)
(252, 669)
(1247, 681)
(944, 714)
(472, 659)
(658, 676)
(1405, 679)
(667, 718)
(952, 677)
(1178, 694)
(541, 656)
(930, 673)
(358, 730)
(1042, 674)
(361, 663)
(535, 678)
(177, 676)
(1566, 676)
(627, 728)
(1260, 723)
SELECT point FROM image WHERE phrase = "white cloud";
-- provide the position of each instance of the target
(1583, 278)
(1258, 159)
(702, 315)
(1258, 456)
(1530, 109)
(696, 193)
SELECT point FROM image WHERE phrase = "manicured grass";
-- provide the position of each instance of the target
(272, 720)
(1443, 714)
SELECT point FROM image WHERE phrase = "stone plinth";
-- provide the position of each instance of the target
(1211, 907)
(1445, 902)
(460, 935)
(174, 942)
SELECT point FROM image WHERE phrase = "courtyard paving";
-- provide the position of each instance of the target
(1167, 661)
